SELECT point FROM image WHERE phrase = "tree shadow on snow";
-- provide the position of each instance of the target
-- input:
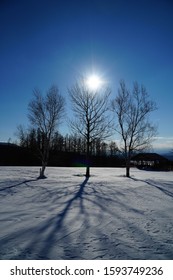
(52, 226)
(167, 188)
(56, 232)
(17, 185)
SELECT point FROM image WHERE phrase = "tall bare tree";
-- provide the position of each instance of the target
(45, 113)
(91, 112)
(133, 124)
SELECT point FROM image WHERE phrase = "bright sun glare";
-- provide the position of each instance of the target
(93, 82)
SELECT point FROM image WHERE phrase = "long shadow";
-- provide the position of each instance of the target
(55, 224)
(60, 218)
(52, 231)
(17, 185)
(162, 189)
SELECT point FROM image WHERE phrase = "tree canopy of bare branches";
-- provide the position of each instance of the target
(91, 115)
(132, 110)
(45, 113)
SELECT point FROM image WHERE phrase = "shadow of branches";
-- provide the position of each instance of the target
(50, 227)
(166, 188)
(17, 185)
(90, 221)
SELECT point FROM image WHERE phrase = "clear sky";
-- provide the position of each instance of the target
(47, 42)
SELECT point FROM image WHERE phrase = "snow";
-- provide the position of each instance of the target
(66, 216)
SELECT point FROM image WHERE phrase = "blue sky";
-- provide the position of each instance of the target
(53, 42)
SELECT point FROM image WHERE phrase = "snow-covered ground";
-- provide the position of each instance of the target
(67, 217)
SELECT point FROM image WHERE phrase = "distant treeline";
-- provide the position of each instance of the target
(69, 150)
(34, 140)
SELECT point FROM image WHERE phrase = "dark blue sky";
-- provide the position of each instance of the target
(53, 42)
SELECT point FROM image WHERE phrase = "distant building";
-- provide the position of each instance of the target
(150, 161)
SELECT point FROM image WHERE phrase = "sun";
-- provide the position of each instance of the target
(94, 82)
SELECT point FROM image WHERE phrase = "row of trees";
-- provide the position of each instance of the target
(32, 139)
(95, 119)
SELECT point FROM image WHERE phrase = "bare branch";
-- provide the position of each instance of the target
(91, 112)
(133, 110)
(45, 113)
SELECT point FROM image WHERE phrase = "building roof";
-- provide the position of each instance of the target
(149, 157)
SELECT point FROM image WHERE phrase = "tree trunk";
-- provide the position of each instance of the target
(128, 171)
(87, 171)
(42, 169)
(87, 175)
(88, 159)
(128, 166)
(45, 157)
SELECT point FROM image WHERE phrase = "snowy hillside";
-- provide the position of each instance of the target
(67, 217)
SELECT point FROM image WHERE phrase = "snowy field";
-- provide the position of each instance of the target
(67, 217)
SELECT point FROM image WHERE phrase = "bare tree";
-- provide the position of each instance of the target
(22, 135)
(132, 110)
(92, 120)
(45, 113)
